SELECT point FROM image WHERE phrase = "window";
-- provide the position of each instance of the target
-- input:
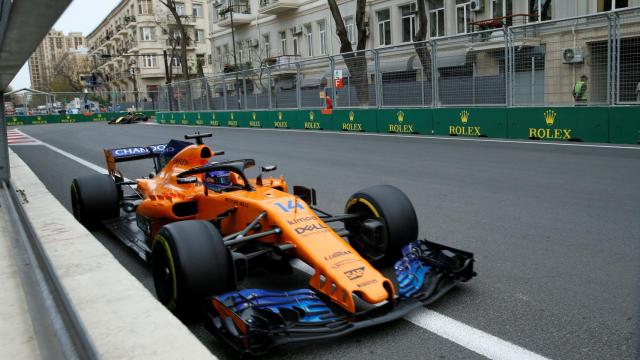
(219, 58)
(180, 9)
(436, 18)
(267, 45)
(408, 13)
(199, 36)
(384, 27)
(175, 61)
(197, 10)
(240, 51)
(283, 42)
(463, 16)
(209, 59)
(309, 36)
(145, 7)
(607, 5)
(348, 24)
(149, 62)
(295, 45)
(536, 9)
(323, 37)
(500, 8)
(147, 34)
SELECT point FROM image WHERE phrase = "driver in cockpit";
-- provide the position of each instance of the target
(218, 180)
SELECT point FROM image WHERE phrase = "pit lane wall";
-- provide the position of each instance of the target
(620, 125)
(67, 118)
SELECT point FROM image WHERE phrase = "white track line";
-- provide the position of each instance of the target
(464, 335)
(424, 137)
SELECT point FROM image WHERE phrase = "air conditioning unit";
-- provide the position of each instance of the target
(252, 43)
(572, 56)
(476, 5)
(296, 30)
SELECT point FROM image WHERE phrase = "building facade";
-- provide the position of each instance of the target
(127, 46)
(53, 49)
(281, 32)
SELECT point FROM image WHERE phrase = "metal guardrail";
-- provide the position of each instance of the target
(57, 328)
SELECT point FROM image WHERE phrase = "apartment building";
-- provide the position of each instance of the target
(284, 31)
(128, 45)
(53, 48)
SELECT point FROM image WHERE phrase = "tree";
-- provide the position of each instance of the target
(422, 49)
(68, 71)
(356, 61)
(183, 39)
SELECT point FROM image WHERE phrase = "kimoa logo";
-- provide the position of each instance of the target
(546, 133)
(465, 130)
(401, 128)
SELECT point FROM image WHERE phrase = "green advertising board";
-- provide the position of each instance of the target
(624, 125)
(286, 119)
(314, 119)
(479, 122)
(356, 120)
(589, 124)
(260, 119)
(405, 121)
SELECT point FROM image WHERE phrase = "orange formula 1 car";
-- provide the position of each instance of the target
(204, 224)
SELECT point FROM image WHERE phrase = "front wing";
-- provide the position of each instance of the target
(255, 320)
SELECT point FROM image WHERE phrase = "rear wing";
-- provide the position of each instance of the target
(113, 156)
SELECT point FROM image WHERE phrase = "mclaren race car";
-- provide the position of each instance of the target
(204, 225)
(129, 118)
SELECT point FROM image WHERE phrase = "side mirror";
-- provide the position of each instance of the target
(268, 168)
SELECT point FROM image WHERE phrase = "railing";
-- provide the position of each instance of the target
(185, 19)
(224, 11)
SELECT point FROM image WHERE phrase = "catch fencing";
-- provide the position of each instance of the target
(588, 60)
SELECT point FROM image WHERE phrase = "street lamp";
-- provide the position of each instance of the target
(132, 71)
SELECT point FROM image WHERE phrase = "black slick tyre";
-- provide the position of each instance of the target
(190, 263)
(94, 198)
(389, 206)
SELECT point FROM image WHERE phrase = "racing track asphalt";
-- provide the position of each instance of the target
(555, 229)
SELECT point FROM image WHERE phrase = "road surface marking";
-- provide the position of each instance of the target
(17, 137)
(464, 335)
(425, 137)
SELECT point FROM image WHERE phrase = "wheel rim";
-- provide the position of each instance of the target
(164, 275)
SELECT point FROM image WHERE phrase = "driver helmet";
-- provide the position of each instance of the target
(217, 180)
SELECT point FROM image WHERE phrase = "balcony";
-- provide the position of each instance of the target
(130, 21)
(283, 64)
(187, 20)
(274, 7)
(241, 15)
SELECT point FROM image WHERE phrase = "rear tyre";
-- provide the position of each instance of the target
(190, 263)
(383, 205)
(94, 198)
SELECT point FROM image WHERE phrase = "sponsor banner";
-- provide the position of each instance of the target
(624, 125)
(285, 119)
(259, 119)
(137, 151)
(405, 121)
(355, 120)
(559, 123)
(314, 119)
(473, 122)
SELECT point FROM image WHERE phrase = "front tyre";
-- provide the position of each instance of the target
(388, 222)
(94, 198)
(190, 262)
